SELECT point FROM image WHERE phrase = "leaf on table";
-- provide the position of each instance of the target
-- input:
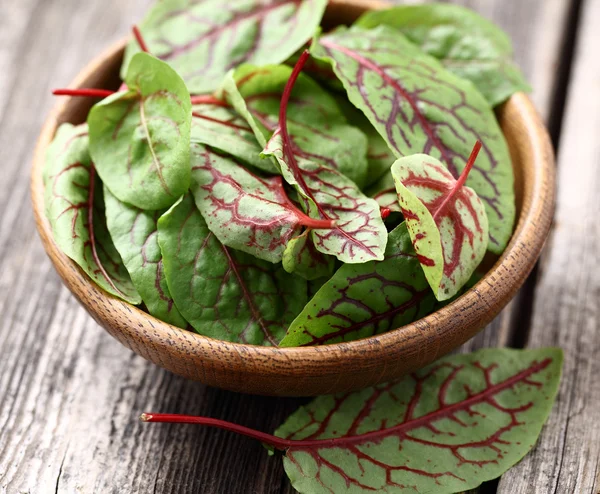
(420, 107)
(361, 300)
(203, 40)
(243, 210)
(135, 235)
(75, 210)
(221, 128)
(446, 221)
(302, 258)
(223, 293)
(446, 428)
(317, 128)
(359, 234)
(140, 137)
(466, 44)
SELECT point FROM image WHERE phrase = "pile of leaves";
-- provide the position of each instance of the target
(259, 191)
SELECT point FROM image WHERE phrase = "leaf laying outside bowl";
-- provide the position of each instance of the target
(444, 429)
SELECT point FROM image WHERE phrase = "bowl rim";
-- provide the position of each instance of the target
(422, 335)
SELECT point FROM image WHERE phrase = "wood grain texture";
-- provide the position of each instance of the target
(567, 309)
(69, 394)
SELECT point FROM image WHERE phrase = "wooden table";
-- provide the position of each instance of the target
(70, 395)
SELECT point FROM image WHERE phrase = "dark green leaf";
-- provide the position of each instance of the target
(419, 107)
(302, 258)
(466, 44)
(365, 299)
(444, 429)
(203, 40)
(223, 293)
(135, 235)
(140, 138)
(75, 210)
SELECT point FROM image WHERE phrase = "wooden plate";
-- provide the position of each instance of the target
(331, 368)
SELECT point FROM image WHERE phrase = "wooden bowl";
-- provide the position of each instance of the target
(331, 368)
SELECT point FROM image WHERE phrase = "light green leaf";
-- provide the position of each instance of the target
(71, 190)
(420, 107)
(223, 293)
(361, 300)
(466, 44)
(140, 138)
(134, 233)
(222, 128)
(447, 428)
(203, 40)
(446, 221)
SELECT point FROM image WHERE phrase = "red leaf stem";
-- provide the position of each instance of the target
(140, 39)
(89, 92)
(288, 148)
(208, 99)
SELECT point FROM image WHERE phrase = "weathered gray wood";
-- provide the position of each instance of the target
(567, 310)
(69, 394)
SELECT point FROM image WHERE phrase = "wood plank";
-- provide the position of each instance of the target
(566, 311)
(69, 394)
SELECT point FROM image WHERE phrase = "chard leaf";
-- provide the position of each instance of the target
(134, 233)
(361, 300)
(359, 234)
(140, 137)
(446, 428)
(446, 221)
(244, 211)
(75, 210)
(317, 128)
(419, 107)
(466, 44)
(223, 293)
(221, 128)
(302, 258)
(203, 40)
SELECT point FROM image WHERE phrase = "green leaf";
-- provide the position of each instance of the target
(203, 40)
(302, 258)
(446, 221)
(243, 210)
(419, 107)
(316, 125)
(379, 155)
(359, 234)
(73, 196)
(361, 300)
(466, 44)
(444, 429)
(140, 138)
(134, 233)
(223, 293)
(221, 128)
